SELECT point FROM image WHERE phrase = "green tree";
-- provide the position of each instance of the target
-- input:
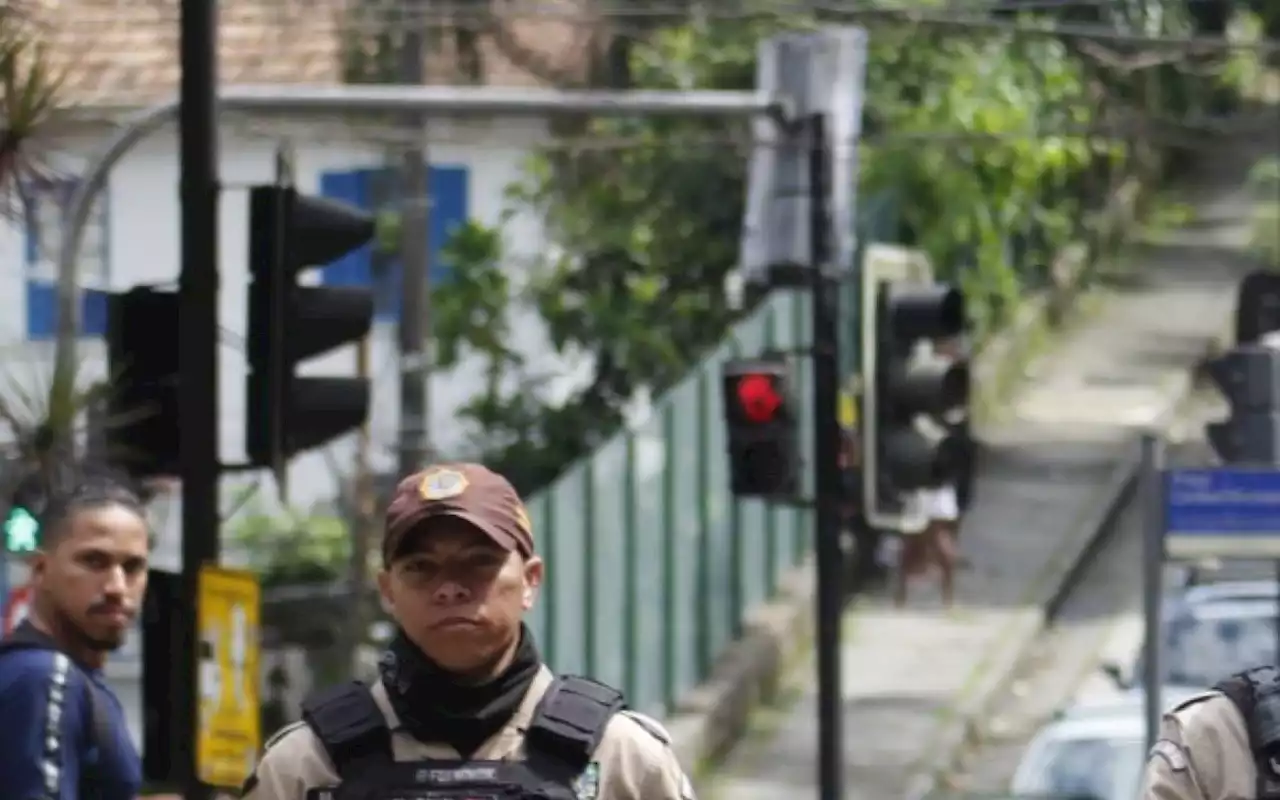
(645, 234)
(286, 547)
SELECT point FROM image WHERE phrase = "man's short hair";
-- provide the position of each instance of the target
(59, 494)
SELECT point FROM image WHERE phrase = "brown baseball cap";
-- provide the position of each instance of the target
(469, 492)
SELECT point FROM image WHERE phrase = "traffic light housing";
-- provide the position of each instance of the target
(1249, 379)
(1257, 306)
(763, 428)
(21, 530)
(141, 424)
(290, 323)
(915, 401)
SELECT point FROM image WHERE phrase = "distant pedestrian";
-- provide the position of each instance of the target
(933, 546)
(63, 734)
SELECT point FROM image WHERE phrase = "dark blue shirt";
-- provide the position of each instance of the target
(48, 740)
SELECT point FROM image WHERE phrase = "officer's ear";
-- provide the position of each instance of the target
(533, 570)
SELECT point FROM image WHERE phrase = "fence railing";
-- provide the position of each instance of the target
(651, 562)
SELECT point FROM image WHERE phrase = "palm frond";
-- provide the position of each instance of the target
(30, 99)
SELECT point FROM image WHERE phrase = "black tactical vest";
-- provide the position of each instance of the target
(1256, 693)
(566, 728)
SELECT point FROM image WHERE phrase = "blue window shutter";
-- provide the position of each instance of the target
(449, 193)
(449, 209)
(42, 310)
(349, 187)
(448, 202)
(93, 312)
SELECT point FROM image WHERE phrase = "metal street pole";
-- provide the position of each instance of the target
(198, 347)
(1151, 476)
(827, 484)
(415, 307)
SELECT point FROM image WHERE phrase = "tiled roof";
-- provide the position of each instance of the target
(123, 53)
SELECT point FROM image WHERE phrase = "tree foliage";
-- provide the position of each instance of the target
(287, 547)
(995, 149)
(970, 136)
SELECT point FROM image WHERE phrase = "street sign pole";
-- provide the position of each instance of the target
(1151, 475)
(198, 350)
(826, 448)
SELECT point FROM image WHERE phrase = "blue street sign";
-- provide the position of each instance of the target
(1225, 512)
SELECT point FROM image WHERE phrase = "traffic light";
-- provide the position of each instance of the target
(763, 429)
(290, 323)
(1249, 379)
(21, 530)
(141, 426)
(21, 525)
(915, 401)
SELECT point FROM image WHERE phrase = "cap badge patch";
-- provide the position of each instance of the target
(442, 484)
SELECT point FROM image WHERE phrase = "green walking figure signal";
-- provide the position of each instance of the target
(21, 531)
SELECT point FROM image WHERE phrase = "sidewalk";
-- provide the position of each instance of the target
(1050, 470)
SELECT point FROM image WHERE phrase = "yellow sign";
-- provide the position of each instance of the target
(847, 411)
(230, 732)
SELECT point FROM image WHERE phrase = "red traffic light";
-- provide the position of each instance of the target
(758, 397)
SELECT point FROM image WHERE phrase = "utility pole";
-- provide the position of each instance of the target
(415, 300)
(198, 348)
(362, 524)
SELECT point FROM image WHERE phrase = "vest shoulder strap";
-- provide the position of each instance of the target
(1246, 691)
(1238, 688)
(350, 726)
(571, 719)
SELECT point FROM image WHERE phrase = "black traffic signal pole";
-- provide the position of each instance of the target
(827, 484)
(198, 389)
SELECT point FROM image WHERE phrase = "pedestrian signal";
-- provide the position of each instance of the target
(762, 429)
(21, 531)
(758, 397)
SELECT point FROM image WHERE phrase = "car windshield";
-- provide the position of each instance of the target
(1205, 645)
(1099, 769)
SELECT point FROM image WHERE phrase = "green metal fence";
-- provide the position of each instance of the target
(651, 562)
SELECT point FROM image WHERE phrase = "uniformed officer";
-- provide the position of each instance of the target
(465, 708)
(1216, 745)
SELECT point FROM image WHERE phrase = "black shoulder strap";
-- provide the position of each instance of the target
(571, 719)
(1238, 688)
(351, 727)
(100, 717)
(1247, 691)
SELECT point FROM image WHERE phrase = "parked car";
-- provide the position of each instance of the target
(1095, 750)
(1209, 632)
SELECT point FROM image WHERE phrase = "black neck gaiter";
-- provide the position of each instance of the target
(435, 706)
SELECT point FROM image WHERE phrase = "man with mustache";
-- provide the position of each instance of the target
(64, 735)
(465, 708)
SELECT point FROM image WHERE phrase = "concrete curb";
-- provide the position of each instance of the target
(1062, 573)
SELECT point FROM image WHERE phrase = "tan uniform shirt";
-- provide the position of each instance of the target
(1203, 753)
(634, 758)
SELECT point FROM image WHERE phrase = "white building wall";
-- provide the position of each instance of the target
(144, 247)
